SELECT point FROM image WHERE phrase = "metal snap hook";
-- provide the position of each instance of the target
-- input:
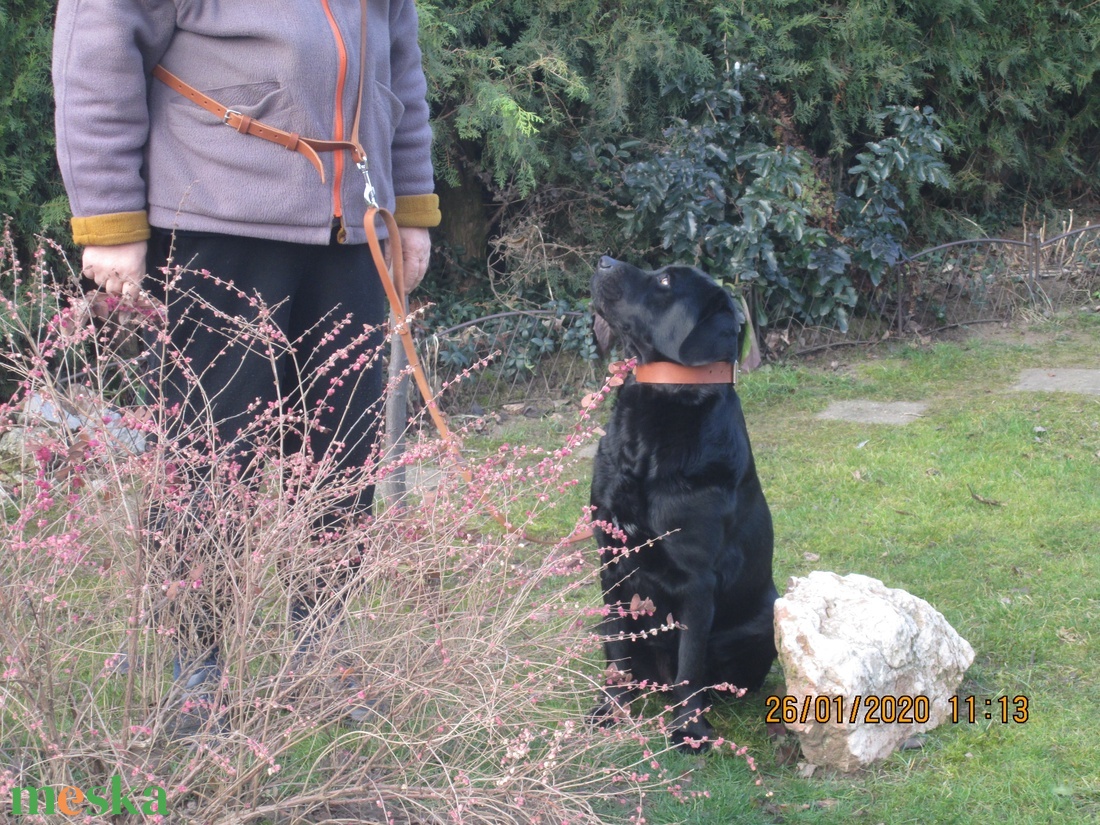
(369, 194)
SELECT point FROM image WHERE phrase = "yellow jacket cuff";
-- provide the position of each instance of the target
(111, 230)
(417, 210)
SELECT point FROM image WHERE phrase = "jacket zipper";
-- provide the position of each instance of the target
(338, 125)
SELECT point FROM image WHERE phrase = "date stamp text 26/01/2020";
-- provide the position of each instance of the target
(889, 710)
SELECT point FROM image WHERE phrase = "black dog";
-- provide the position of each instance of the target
(675, 476)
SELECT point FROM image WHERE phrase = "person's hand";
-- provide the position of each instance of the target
(416, 248)
(117, 270)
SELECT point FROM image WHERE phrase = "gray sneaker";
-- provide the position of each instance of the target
(361, 710)
(195, 714)
(339, 688)
(332, 693)
(192, 699)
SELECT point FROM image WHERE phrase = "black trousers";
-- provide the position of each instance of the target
(320, 299)
(327, 306)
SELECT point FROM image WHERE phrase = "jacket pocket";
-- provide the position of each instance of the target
(389, 110)
(252, 99)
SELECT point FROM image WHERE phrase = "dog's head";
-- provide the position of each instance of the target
(676, 314)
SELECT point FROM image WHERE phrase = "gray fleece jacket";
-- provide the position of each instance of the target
(131, 149)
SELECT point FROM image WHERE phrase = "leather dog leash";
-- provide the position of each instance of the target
(393, 281)
(308, 147)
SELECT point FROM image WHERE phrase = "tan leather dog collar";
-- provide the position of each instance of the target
(666, 372)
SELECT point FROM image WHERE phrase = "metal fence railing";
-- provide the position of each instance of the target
(951, 285)
(519, 355)
(965, 283)
(992, 279)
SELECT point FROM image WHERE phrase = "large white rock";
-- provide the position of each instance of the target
(854, 638)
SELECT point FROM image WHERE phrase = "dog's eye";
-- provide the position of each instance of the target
(664, 280)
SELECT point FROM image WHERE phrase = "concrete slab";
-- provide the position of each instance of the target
(874, 412)
(1082, 381)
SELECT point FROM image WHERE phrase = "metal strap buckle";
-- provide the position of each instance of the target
(228, 112)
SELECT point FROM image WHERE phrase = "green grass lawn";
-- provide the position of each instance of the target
(988, 507)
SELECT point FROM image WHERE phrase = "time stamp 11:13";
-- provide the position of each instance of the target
(1002, 709)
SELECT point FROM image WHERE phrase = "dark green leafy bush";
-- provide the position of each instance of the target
(717, 193)
(518, 84)
(515, 342)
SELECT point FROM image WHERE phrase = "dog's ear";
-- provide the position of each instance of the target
(750, 347)
(603, 332)
(717, 337)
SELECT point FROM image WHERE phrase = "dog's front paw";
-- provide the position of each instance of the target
(696, 735)
(601, 716)
(613, 709)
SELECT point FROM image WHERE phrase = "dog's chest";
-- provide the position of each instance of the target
(641, 459)
(625, 475)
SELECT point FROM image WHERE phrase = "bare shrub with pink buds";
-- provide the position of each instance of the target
(441, 673)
